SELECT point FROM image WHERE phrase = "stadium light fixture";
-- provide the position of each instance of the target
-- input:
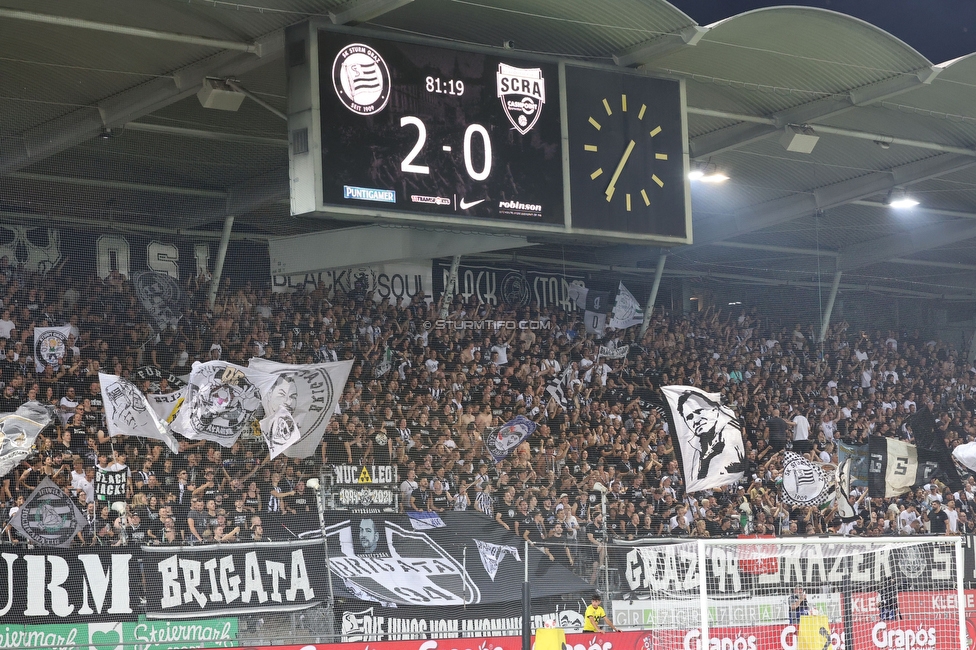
(707, 173)
(899, 199)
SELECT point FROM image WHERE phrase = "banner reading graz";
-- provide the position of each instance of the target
(673, 568)
(135, 635)
(471, 560)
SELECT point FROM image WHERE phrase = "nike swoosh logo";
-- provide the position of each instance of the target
(464, 206)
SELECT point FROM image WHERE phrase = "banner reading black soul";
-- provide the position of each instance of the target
(499, 284)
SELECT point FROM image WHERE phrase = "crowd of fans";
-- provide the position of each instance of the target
(422, 397)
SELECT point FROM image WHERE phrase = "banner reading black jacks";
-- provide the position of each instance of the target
(470, 561)
(109, 485)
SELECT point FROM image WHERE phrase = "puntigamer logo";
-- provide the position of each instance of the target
(368, 194)
(361, 79)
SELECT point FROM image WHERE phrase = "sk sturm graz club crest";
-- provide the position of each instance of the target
(361, 79)
(523, 93)
(221, 403)
(50, 346)
(49, 518)
(804, 483)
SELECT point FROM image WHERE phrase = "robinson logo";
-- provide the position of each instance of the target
(523, 93)
(361, 79)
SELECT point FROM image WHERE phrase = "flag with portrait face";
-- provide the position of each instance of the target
(19, 430)
(309, 392)
(708, 436)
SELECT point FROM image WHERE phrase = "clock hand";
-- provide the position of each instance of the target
(620, 168)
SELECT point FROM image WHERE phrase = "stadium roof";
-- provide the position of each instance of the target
(101, 126)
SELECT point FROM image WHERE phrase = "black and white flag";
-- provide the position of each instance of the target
(309, 392)
(613, 350)
(128, 412)
(557, 387)
(19, 430)
(594, 304)
(222, 401)
(110, 485)
(160, 295)
(50, 347)
(843, 490)
(708, 436)
(804, 483)
(49, 517)
(280, 431)
(627, 311)
(896, 467)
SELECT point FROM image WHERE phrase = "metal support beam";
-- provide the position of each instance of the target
(905, 243)
(219, 264)
(118, 185)
(772, 213)
(451, 288)
(741, 134)
(257, 100)
(80, 23)
(360, 11)
(44, 140)
(659, 46)
(649, 307)
(200, 134)
(830, 305)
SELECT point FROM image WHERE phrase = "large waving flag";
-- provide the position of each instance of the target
(309, 392)
(50, 346)
(708, 436)
(627, 311)
(504, 439)
(18, 430)
(222, 401)
(128, 412)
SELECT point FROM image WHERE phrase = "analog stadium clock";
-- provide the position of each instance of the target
(627, 167)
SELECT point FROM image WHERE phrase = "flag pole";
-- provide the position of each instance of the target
(526, 604)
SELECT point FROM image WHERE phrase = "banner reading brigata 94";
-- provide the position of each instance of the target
(470, 560)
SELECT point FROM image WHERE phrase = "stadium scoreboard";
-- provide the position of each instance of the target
(413, 132)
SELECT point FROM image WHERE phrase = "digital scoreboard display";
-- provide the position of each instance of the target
(390, 130)
(432, 130)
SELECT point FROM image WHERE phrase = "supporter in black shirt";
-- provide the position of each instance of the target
(937, 519)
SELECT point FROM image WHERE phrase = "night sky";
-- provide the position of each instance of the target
(939, 29)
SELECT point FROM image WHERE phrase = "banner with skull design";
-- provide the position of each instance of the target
(708, 436)
(128, 412)
(50, 347)
(309, 393)
(221, 402)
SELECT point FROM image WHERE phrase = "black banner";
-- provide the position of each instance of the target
(498, 284)
(110, 486)
(471, 560)
(380, 558)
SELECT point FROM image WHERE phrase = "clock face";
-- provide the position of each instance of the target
(626, 162)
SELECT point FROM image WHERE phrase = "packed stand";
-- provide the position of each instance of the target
(422, 398)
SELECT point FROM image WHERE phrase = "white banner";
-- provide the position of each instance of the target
(50, 346)
(627, 311)
(709, 437)
(222, 401)
(382, 281)
(309, 392)
(128, 412)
